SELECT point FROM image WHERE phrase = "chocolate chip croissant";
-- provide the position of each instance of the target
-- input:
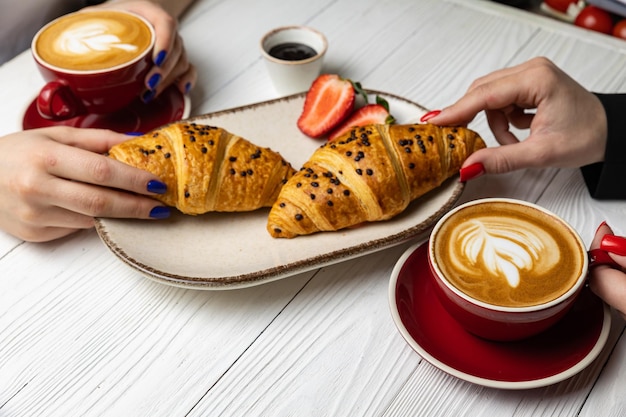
(207, 168)
(369, 174)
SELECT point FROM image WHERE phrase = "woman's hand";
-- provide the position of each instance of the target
(54, 181)
(568, 126)
(171, 65)
(609, 283)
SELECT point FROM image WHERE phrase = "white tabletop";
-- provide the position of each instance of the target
(81, 334)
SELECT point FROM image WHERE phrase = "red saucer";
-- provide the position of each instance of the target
(550, 357)
(169, 106)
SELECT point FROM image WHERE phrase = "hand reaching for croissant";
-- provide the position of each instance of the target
(54, 181)
(568, 126)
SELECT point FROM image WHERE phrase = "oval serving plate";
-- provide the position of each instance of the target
(234, 250)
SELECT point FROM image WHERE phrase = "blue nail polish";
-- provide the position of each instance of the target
(160, 58)
(148, 96)
(160, 212)
(187, 88)
(153, 81)
(133, 133)
(156, 187)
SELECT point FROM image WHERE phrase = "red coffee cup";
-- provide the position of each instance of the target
(506, 269)
(93, 61)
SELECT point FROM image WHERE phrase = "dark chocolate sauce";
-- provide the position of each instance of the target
(292, 51)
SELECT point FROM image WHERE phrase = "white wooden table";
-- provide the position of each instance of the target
(81, 334)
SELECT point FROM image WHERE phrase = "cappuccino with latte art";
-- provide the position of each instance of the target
(94, 41)
(508, 254)
(506, 269)
(93, 62)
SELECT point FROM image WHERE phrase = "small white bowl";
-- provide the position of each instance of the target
(290, 77)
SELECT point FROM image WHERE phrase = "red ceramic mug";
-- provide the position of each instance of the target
(506, 269)
(93, 61)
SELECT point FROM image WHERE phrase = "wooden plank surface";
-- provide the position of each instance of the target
(84, 335)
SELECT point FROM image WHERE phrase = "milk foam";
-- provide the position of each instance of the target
(89, 37)
(504, 248)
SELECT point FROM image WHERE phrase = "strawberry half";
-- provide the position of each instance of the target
(327, 103)
(367, 115)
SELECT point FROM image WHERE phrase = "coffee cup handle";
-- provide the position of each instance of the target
(57, 101)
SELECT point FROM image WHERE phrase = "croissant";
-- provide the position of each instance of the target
(207, 168)
(368, 174)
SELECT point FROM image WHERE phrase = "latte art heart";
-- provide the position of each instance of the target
(504, 248)
(88, 38)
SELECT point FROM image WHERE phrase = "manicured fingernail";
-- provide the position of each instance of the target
(156, 187)
(160, 212)
(148, 96)
(154, 81)
(599, 257)
(133, 133)
(614, 244)
(187, 88)
(429, 115)
(160, 58)
(471, 171)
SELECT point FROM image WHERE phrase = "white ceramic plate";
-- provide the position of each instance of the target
(234, 250)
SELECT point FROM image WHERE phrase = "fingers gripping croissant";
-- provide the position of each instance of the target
(370, 173)
(207, 168)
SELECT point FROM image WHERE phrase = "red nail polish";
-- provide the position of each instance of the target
(614, 244)
(429, 115)
(599, 257)
(472, 171)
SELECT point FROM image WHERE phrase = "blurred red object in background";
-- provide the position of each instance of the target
(559, 5)
(595, 18)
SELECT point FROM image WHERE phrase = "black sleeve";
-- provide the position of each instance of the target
(607, 180)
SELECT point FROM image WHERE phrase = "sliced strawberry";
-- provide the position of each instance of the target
(366, 115)
(328, 102)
